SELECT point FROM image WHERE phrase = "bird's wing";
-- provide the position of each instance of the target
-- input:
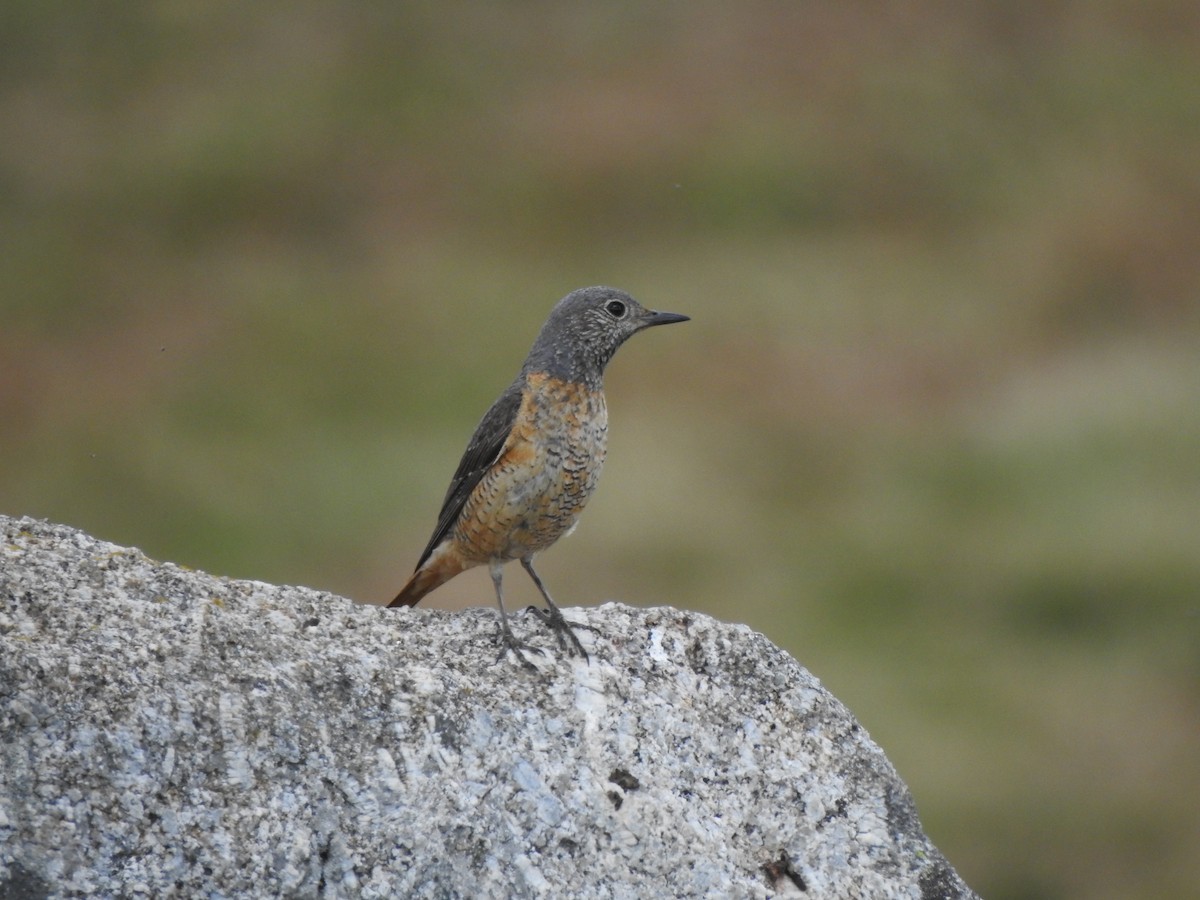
(483, 450)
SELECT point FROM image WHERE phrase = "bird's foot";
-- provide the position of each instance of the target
(510, 642)
(563, 630)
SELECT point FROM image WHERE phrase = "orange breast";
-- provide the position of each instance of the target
(537, 488)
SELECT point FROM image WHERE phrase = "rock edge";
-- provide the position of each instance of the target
(167, 732)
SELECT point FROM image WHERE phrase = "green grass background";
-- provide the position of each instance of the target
(934, 427)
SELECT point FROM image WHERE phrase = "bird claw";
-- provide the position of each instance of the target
(563, 630)
(509, 642)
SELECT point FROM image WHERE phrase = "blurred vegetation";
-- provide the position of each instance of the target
(934, 426)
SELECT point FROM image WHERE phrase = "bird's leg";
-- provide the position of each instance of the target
(554, 617)
(507, 638)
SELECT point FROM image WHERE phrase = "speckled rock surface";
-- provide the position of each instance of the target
(167, 733)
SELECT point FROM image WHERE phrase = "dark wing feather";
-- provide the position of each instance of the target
(482, 451)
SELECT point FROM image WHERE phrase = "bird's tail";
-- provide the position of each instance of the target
(434, 572)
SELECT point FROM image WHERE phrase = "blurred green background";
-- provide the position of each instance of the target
(934, 427)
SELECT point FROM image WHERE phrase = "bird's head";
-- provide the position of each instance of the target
(585, 329)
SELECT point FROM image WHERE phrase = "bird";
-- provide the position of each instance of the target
(535, 457)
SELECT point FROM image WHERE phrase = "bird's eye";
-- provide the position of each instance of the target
(615, 308)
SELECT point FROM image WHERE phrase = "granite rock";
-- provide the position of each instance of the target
(164, 732)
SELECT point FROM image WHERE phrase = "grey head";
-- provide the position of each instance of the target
(585, 329)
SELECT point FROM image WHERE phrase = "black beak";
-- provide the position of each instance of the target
(662, 318)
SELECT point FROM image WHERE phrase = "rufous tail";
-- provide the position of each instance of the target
(436, 571)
